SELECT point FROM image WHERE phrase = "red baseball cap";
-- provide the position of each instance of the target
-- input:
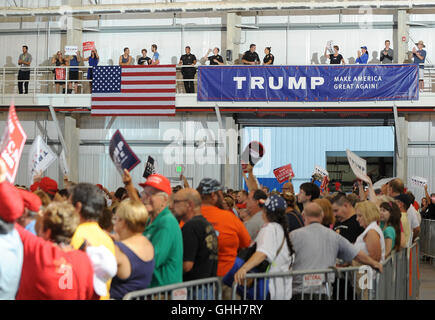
(100, 186)
(31, 201)
(158, 182)
(11, 202)
(48, 185)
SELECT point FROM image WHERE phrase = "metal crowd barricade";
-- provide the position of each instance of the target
(400, 280)
(203, 289)
(326, 284)
(427, 238)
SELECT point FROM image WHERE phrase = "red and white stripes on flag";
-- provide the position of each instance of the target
(134, 90)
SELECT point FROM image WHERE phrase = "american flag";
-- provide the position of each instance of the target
(133, 90)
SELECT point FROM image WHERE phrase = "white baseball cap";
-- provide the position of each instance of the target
(105, 267)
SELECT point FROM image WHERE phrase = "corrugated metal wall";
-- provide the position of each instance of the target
(421, 152)
(306, 147)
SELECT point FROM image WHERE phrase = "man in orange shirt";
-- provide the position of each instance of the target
(231, 232)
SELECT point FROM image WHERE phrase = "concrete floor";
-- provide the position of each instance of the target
(427, 281)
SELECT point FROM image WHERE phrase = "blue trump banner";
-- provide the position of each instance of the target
(121, 154)
(308, 83)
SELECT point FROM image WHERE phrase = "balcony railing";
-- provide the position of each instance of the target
(42, 80)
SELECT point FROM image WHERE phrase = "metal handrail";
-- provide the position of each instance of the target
(37, 82)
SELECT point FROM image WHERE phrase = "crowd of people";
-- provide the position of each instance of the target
(85, 242)
(250, 57)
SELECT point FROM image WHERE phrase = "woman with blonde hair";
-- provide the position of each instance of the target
(328, 217)
(371, 241)
(134, 252)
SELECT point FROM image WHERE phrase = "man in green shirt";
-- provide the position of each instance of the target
(163, 231)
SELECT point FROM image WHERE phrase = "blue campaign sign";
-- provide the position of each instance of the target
(121, 154)
(308, 83)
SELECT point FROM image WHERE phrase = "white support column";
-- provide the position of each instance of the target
(71, 136)
(232, 167)
(402, 140)
(402, 35)
(233, 36)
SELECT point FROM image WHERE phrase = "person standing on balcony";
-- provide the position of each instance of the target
(144, 60)
(125, 59)
(268, 58)
(363, 56)
(188, 59)
(156, 55)
(387, 54)
(24, 61)
(93, 62)
(420, 58)
(73, 76)
(59, 73)
(336, 58)
(215, 59)
(250, 56)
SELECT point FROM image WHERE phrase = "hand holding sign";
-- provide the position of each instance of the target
(284, 173)
(252, 154)
(121, 154)
(419, 181)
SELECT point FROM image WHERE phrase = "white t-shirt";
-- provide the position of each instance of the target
(361, 245)
(269, 240)
(413, 217)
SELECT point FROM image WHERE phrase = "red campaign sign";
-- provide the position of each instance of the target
(12, 145)
(88, 46)
(60, 74)
(324, 184)
(283, 173)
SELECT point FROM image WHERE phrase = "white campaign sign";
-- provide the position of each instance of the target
(179, 294)
(40, 157)
(358, 166)
(418, 181)
(63, 164)
(313, 280)
(321, 171)
(71, 50)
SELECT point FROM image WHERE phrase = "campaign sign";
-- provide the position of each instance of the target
(358, 166)
(12, 144)
(418, 181)
(40, 157)
(283, 173)
(321, 171)
(71, 50)
(88, 46)
(149, 168)
(252, 154)
(121, 154)
(316, 83)
(63, 163)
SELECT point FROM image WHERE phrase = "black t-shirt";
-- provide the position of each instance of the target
(295, 221)
(142, 60)
(349, 229)
(217, 57)
(268, 57)
(251, 56)
(188, 59)
(430, 212)
(200, 245)
(336, 59)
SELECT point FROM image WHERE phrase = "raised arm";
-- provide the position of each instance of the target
(128, 182)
